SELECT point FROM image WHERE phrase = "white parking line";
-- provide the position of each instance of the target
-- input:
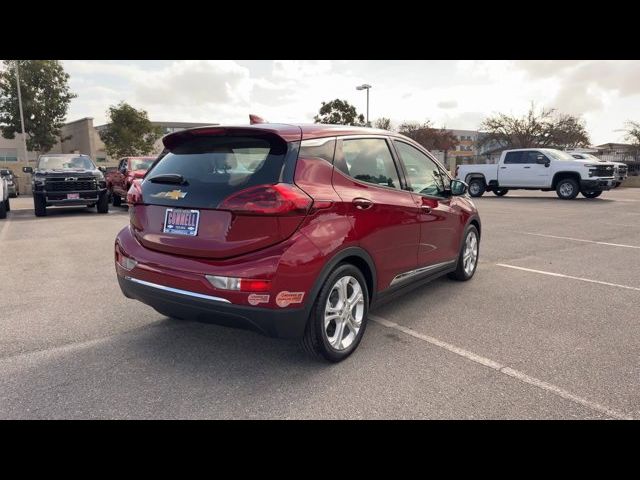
(553, 274)
(523, 377)
(582, 240)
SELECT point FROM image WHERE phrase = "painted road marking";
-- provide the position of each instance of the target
(523, 377)
(582, 240)
(553, 274)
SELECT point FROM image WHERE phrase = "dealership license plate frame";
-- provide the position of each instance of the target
(188, 229)
(73, 196)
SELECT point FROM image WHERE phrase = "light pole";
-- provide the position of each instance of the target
(24, 137)
(366, 87)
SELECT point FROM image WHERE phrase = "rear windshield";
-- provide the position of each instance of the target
(63, 163)
(214, 168)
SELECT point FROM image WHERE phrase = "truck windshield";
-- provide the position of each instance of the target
(62, 163)
(559, 155)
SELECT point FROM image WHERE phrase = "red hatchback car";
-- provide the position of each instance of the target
(292, 230)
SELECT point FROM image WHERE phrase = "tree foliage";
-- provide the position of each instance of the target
(548, 129)
(45, 101)
(129, 133)
(633, 133)
(383, 123)
(339, 112)
(429, 137)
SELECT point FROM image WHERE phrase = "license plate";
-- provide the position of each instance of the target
(181, 221)
(73, 196)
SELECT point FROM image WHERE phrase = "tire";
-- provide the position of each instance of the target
(592, 193)
(39, 206)
(461, 273)
(322, 341)
(3, 210)
(476, 187)
(567, 189)
(617, 184)
(103, 203)
(8, 205)
(117, 201)
(500, 192)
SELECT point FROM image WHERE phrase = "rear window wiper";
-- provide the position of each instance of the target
(168, 178)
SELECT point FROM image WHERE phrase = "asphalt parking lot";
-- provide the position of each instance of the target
(549, 328)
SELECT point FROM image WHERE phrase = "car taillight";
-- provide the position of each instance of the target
(134, 195)
(124, 261)
(239, 284)
(278, 199)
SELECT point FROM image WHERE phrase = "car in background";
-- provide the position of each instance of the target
(620, 171)
(12, 184)
(545, 169)
(120, 180)
(67, 180)
(295, 231)
(5, 205)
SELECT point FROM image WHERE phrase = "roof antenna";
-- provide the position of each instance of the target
(253, 119)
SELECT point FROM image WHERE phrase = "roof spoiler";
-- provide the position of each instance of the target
(253, 119)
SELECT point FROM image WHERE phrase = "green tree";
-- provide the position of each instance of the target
(545, 129)
(383, 123)
(45, 101)
(129, 133)
(339, 112)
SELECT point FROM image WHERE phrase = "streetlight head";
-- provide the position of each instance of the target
(364, 86)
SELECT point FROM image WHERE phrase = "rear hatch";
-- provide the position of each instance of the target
(232, 187)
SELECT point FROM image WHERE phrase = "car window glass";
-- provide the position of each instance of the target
(369, 160)
(423, 174)
(513, 157)
(322, 148)
(530, 157)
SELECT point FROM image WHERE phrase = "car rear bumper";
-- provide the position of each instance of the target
(183, 304)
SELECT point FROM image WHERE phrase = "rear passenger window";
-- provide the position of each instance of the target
(369, 160)
(513, 157)
(321, 148)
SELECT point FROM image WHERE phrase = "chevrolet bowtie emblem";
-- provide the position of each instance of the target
(173, 194)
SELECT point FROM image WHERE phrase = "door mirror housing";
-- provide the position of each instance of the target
(102, 169)
(542, 160)
(27, 169)
(458, 187)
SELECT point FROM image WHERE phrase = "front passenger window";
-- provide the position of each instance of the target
(369, 160)
(423, 175)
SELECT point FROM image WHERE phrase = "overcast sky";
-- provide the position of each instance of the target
(455, 94)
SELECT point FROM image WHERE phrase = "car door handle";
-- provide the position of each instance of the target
(425, 208)
(526, 167)
(503, 168)
(362, 203)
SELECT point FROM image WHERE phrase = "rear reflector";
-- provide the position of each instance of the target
(239, 284)
(124, 261)
(278, 199)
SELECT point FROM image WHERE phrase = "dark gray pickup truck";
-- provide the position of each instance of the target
(67, 180)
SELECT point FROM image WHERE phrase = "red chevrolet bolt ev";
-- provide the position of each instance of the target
(292, 230)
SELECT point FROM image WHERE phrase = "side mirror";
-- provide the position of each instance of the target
(542, 160)
(27, 169)
(102, 169)
(458, 187)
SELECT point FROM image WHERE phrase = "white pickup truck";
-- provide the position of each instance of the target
(543, 169)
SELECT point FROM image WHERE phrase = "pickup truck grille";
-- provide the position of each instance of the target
(62, 185)
(602, 171)
(622, 169)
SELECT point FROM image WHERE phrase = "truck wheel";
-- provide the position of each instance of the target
(592, 194)
(476, 187)
(339, 315)
(103, 203)
(8, 205)
(117, 201)
(567, 189)
(468, 256)
(3, 209)
(39, 206)
(500, 192)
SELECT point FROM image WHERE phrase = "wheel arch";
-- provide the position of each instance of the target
(473, 176)
(562, 175)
